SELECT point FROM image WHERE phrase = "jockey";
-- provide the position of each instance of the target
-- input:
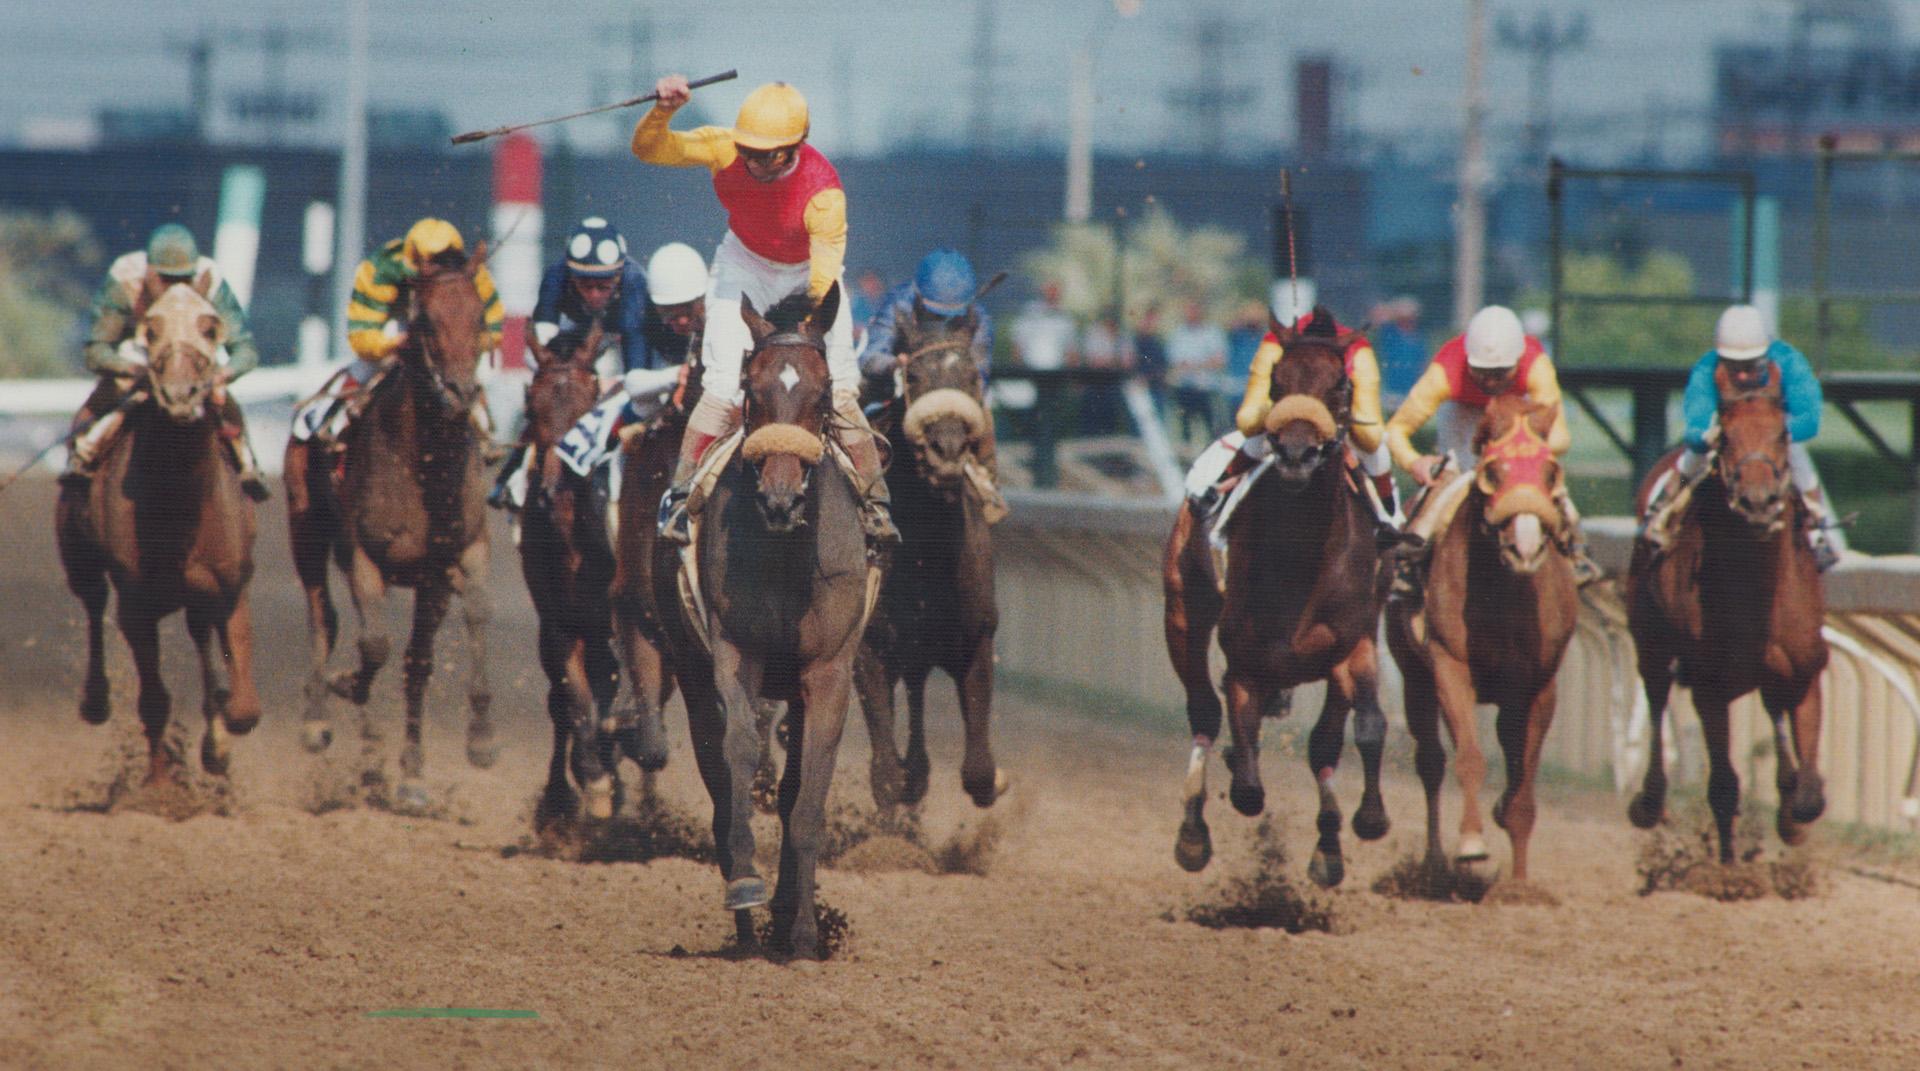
(1220, 466)
(377, 328)
(786, 229)
(1494, 357)
(942, 289)
(658, 334)
(115, 354)
(1741, 338)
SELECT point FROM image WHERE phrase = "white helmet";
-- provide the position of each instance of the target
(676, 274)
(1741, 334)
(1495, 338)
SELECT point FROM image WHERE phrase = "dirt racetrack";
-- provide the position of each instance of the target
(262, 937)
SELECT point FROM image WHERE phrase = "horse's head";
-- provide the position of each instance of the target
(1312, 400)
(1751, 458)
(182, 331)
(563, 386)
(789, 393)
(447, 328)
(1516, 478)
(945, 415)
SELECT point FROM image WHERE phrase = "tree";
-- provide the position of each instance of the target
(1161, 267)
(47, 264)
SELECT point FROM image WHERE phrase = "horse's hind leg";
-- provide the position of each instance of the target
(919, 768)
(1192, 609)
(429, 609)
(310, 529)
(1649, 805)
(1523, 730)
(1422, 704)
(141, 628)
(1360, 675)
(875, 687)
(1796, 733)
(215, 747)
(983, 780)
(476, 604)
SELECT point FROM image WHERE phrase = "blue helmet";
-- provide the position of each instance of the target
(944, 282)
(596, 249)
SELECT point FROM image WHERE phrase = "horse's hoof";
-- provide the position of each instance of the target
(214, 752)
(1249, 800)
(1792, 833)
(598, 797)
(95, 703)
(913, 787)
(1370, 820)
(985, 795)
(1193, 848)
(242, 723)
(316, 736)
(1327, 869)
(1644, 811)
(411, 799)
(645, 744)
(748, 892)
(482, 749)
(1809, 799)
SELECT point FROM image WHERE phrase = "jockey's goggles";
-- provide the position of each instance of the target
(769, 157)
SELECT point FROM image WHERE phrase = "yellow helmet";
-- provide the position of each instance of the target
(773, 117)
(428, 239)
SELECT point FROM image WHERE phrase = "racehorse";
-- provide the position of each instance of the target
(936, 607)
(1735, 604)
(568, 566)
(1500, 608)
(1300, 603)
(410, 511)
(164, 519)
(783, 581)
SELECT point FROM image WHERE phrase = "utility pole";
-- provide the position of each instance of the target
(198, 52)
(1470, 238)
(353, 170)
(1211, 100)
(980, 122)
(1542, 40)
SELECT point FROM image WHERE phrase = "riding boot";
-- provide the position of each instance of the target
(1656, 527)
(1407, 559)
(676, 521)
(499, 497)
(1823, 531)
(1574, 541)
(233, 428)
(876, 502)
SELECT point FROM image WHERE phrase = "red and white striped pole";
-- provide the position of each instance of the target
(517, 223)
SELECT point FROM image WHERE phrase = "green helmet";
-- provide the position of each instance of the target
(171, 250)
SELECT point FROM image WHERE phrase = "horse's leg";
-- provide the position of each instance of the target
(707, 729)
(476, 604)
(919, 768)
(640, 728)
(590, 766)
(1422, 703)
(875, 686)
(215, 747)
(1192, 610)
(369, 590)
(141, 627)
(1796, 736)
(558, 801)
(1723, 781)
(1649, 805)
(310, 532)
(1328, 868)
(87, 579)
(737, 679)
(572, 734)
(821, 711)
(1362, 669)
(983, 780)
(1246, 701)
(1453, 684)
(429, 609)
(1522, 729)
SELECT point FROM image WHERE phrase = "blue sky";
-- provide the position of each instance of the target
(882, 71)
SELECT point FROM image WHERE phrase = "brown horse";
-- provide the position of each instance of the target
(1736, 604)
(568, 566)
(1500, 609)
(937, 608)
(1301, 603)
(165, 520)
(411, 511)
(783, 579)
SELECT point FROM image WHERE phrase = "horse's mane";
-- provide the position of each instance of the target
(788, 313)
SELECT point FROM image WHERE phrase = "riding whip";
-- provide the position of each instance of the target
(481, 135)
(67, 439)
(1293, 265)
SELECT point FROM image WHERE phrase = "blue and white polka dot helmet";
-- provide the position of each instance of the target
(596, 249)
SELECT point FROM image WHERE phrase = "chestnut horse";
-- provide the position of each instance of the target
(411, 511)
(783, 581)
(936, 609)
(1736, 604)
(568, 566)
(1301, 603)
(1500, 609)
(165, 521)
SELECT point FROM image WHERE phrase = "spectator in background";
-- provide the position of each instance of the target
(868, 297)
(1249, 326)
(1043, 333)
(1402, 352)
(1150, 358)
(1197, 357)
(1103, 346)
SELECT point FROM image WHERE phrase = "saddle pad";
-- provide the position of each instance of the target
(587, 443)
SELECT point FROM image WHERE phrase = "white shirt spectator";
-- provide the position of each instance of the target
(1197, 354)
(1043, 335)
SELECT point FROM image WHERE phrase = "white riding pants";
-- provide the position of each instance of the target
(739, 271)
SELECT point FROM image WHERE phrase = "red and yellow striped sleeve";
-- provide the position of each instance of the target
(654, 142)
(826, 221)
(1543, 388)
(1367, 430)
(1251, 417)
(1422, 402)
